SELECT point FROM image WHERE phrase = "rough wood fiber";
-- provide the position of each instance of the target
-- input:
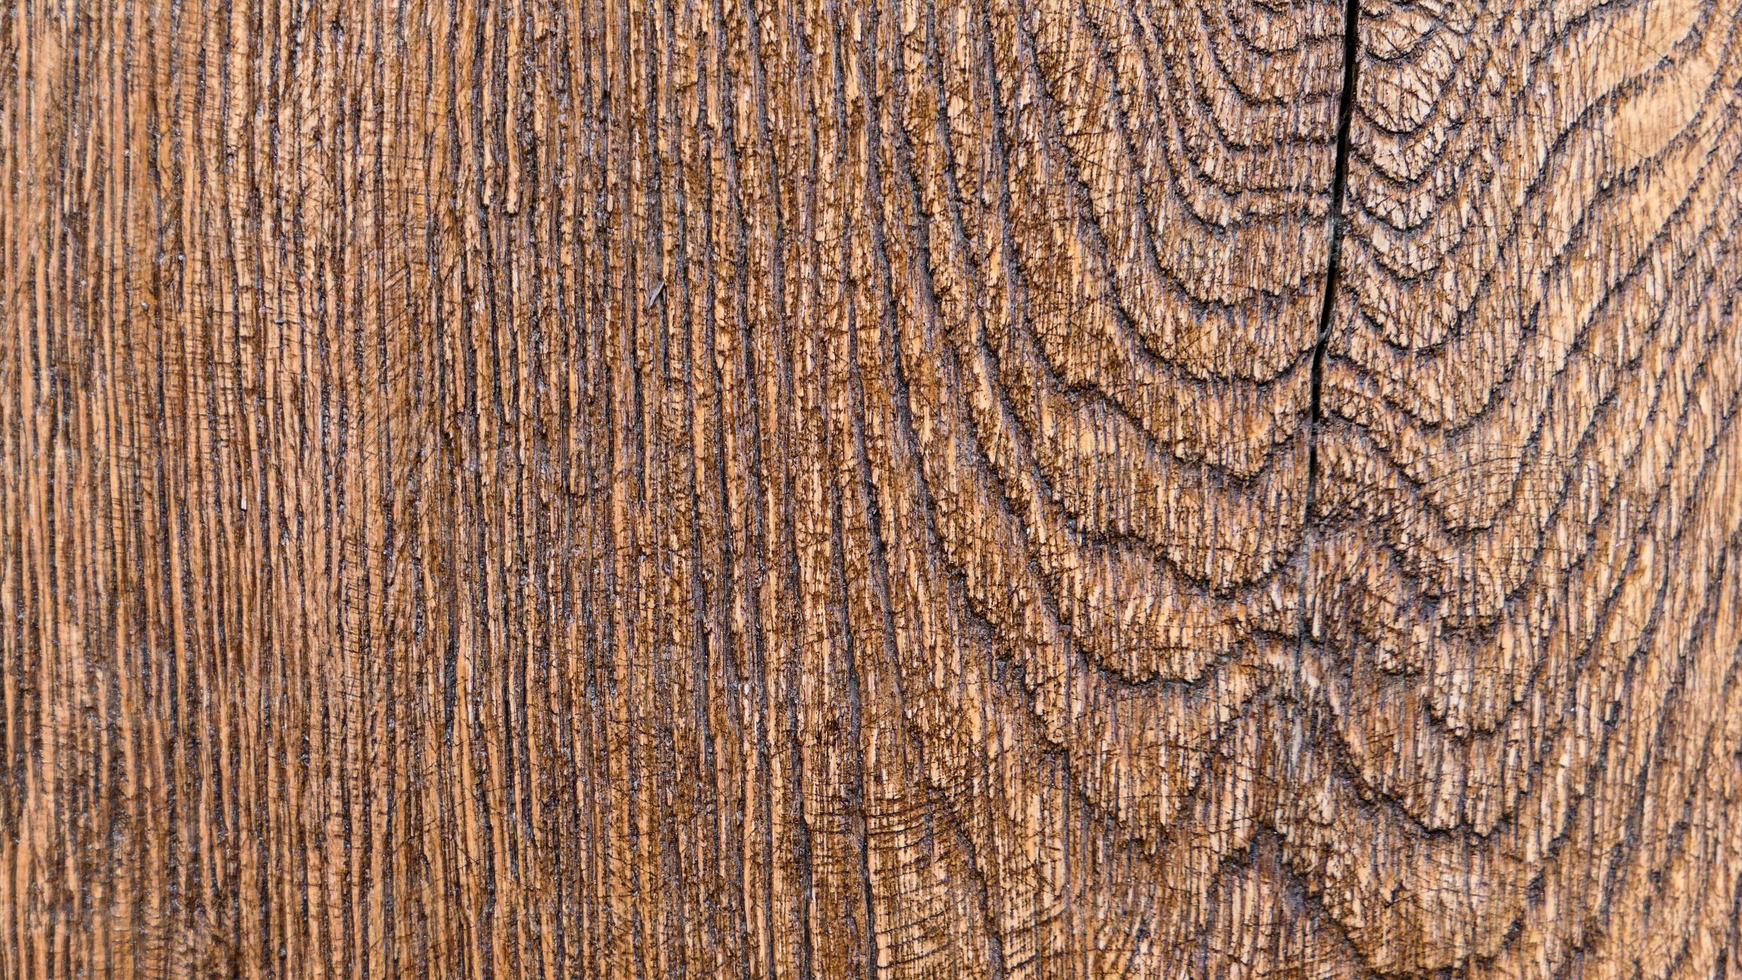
(898, 488)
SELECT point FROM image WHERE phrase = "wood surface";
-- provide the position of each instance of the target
(903, 488)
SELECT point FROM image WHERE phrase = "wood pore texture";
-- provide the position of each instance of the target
(909, 488)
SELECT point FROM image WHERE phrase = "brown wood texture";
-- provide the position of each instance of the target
(895, 488)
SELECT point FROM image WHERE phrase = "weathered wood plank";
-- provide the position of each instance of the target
(907, 488)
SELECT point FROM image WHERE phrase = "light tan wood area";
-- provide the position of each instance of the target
(894, 488)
